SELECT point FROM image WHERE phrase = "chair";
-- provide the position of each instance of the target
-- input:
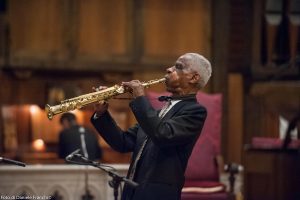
(205, 164)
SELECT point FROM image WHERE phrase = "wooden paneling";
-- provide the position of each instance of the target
(21, 91)
(36, 31)
(110, 35)
(266, 102)
(219, 60)
(2, 39)
(104, 29)
(2, 137)
(23, 129)
(274, 40)
(172, 28)
(239, 44)
(69, 34)
(272, 174)
(235, 118)
(4, 31)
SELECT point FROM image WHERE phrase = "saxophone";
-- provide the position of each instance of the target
(90, 98)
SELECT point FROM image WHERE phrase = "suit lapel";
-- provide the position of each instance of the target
(175, 109)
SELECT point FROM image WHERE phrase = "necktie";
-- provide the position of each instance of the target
(139, 154)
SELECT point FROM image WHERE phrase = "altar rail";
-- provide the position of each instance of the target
(59, 182)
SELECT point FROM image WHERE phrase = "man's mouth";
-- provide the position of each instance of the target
(167, 79)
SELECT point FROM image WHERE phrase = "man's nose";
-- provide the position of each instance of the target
(170, 69)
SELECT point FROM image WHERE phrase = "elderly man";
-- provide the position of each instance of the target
(162, 141)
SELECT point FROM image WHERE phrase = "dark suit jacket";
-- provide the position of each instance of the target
(69, 141)
(160, 171)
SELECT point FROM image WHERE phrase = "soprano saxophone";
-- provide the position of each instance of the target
(90, 98)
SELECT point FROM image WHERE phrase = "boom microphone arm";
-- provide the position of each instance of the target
(13, 162)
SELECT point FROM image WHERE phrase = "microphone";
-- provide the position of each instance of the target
(70, 156)
(81, 129)
(82, 158)
(82, 140)
(14, 162)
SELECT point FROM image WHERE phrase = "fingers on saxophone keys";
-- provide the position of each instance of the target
(103, 102)
(99, 88)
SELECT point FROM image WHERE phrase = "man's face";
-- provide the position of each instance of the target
(65, 124)
(179, 75)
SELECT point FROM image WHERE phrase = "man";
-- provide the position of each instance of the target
(74, 137)
(162, 141)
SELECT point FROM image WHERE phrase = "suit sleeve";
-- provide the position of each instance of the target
(121, 141)
(180, 129)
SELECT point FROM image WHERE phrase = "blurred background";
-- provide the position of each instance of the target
(57, 49)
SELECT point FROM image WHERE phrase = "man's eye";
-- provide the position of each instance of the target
(178, 66)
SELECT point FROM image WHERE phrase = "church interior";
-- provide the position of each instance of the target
(51, 51)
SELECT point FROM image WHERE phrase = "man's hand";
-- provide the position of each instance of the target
(135, 87)
(102, 106)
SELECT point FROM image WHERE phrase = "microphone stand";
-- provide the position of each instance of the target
(13, 162)
(116, 178)
(87, 195)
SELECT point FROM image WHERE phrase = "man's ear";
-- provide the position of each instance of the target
(195, 78)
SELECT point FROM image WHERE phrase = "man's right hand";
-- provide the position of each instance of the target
(102, 106)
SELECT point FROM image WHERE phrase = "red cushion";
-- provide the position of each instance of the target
(272, 143)
(202, 164)
(203, 184)
(197, 196)
(204, 190)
